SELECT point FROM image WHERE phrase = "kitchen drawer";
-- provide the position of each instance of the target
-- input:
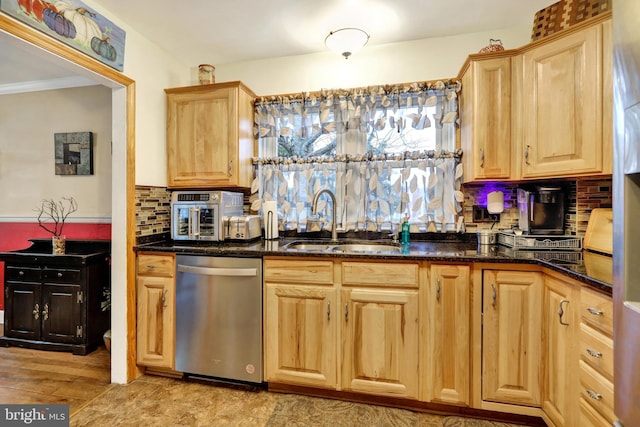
(156, 265)
(597, 391)
(597, 350)
(589, 417)
(597, 310)
(61, 275)
(298, 272)
(380, 274)
(22, 274)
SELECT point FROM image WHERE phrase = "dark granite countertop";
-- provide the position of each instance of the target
(450, 251)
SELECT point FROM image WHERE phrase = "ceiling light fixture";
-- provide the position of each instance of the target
(346, 41)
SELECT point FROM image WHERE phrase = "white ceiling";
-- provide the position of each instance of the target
(218, 32)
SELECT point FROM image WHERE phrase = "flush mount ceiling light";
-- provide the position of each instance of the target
(346, 41)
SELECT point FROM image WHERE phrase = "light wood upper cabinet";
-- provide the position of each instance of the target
(156, 310)
(560, 325)
(209, 136)
(447, 341)
(563, 106)
(511, 336)
(485, 117)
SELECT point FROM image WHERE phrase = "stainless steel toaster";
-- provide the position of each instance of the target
(244, 227)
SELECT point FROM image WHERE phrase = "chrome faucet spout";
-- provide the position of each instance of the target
(314, 208)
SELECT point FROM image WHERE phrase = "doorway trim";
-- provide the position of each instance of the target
(119, 83)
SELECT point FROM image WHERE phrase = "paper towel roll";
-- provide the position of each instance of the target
(270, 219)
(495, 202)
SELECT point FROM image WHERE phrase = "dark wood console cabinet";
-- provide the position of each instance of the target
(57, 302)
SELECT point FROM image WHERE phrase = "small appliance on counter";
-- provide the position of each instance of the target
(199, 215)
(541, 210)
(244, 227)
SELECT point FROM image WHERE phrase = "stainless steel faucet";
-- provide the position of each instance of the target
(314, 205)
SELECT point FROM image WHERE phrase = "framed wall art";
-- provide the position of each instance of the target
(73, 23)
(74, 153)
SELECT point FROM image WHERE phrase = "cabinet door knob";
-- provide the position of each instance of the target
(346, 312)
(164, 298)
(329, 310)
(45, 312)
(561, 311)
(482, 157)
(438, 290)
(59, 274)
(36, 311)
(526, 155)
(230, 167)
(494, 295)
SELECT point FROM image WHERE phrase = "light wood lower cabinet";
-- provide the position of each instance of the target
(447, 337)
(301, 320)
(301, 343)
(380, 341)
(560, 356)
(366, 312)
(156, 310)
(511, 337)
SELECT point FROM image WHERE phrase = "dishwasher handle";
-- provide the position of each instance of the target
(211, 271)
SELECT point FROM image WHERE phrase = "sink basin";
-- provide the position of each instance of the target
(367, 248)
(343, 247)
(309, 246)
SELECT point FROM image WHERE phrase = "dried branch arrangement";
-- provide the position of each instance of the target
(52, 214)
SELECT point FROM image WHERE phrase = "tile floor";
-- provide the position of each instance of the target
(156, 401)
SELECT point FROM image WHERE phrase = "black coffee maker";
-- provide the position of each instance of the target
(541, 210)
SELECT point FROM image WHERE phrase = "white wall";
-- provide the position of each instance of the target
(427, 59)
(153, 70)
(27, 157)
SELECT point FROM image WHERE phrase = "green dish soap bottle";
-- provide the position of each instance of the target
(405, 236)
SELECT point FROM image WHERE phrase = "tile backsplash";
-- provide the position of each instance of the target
(583, 195)
(153, 211)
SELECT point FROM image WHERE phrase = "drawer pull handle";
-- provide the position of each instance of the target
(36, 311)
(595, 396)
(21, 273)
(595, 311)
(59, 275)
(151, 266)
(593, 353)
(561, 311)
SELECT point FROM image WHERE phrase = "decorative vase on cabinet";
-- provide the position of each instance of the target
(210, 136)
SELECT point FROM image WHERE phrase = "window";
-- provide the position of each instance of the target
(385, 152)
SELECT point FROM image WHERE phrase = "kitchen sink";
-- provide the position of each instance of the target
(367, 248)
(344, 247)
(309, 246)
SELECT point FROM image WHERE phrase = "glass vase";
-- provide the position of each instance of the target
(59, 244)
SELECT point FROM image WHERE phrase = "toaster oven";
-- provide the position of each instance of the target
(199, 215)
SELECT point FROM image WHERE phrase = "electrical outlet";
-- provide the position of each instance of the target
(481, 214)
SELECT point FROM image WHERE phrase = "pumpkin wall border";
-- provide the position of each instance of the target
(73, 23)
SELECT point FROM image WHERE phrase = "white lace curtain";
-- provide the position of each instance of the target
(344, 141)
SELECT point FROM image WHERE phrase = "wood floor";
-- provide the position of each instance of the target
(46, 377)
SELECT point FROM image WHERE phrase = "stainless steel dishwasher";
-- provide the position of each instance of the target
(219, 317)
